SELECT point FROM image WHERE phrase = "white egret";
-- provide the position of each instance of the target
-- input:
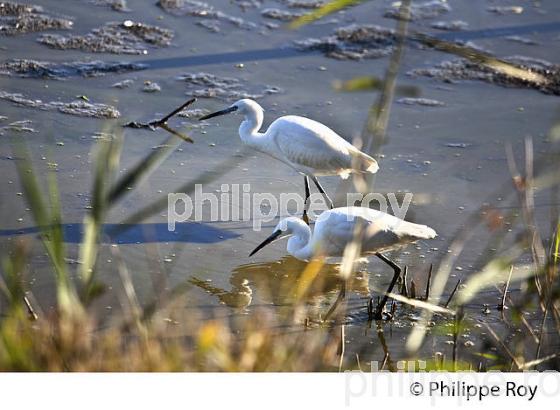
(334, 230)
(308, 146)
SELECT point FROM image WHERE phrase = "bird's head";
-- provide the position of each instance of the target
(244, 106)
(286, 227)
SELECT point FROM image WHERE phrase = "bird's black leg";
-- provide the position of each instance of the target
(305, 202)
(322, 191)
(378, 313)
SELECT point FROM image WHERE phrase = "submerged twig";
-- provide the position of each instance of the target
(429, 283)
(158, 123)
(393, 309)
(452, 293)
(170, 130)
(162, 123)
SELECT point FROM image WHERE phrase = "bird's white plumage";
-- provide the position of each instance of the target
(334, 230)
(308, 146)
(311, 147)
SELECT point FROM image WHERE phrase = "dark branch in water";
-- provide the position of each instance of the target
(162, 123)
(453, 293)
(393, 309)
(176, 133)
(176, 111)
(429, 282)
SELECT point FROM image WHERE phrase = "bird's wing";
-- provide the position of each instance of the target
(334, 230)
(337, 230)
(385, 230)
(306, 142)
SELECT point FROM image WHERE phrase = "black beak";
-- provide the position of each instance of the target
(218, 113)
(268, 240)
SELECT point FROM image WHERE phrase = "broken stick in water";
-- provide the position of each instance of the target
(429, 283)
(453, 293)
(162, 123)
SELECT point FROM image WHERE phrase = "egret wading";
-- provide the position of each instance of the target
(308, 146)
(335, 229)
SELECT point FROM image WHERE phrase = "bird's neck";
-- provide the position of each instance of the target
(299, 244)
(249, 128)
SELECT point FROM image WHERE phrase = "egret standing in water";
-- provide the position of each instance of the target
(335, 228)
(308, 146)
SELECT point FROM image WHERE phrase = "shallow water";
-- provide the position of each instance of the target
(451, 156)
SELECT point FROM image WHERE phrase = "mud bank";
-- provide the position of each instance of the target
(126, 37)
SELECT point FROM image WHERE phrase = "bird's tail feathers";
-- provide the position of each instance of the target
(414, 231)
(364, 163)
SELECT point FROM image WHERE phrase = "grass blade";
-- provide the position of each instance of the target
(323, 11)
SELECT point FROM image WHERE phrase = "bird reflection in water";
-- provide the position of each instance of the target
(275, 283)
(239, 297)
